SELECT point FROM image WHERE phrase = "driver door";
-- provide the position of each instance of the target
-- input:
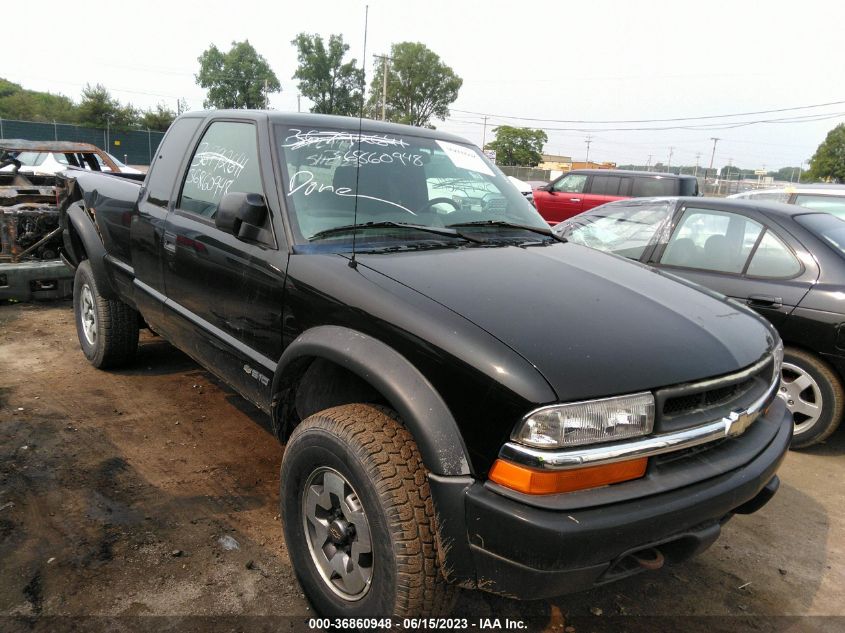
(223, 293)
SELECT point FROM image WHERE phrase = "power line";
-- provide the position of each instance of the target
(675, 119)
(700, 127)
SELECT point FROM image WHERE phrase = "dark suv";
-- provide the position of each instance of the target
(466, 400)
(582, 189)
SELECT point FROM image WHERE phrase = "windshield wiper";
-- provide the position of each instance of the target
(447, 232)
(511, 225)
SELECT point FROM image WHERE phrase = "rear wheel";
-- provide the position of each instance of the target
(814, 396)
(107, 328)
(358, 516)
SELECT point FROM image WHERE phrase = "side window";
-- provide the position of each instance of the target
(605, 185)
(225, 161)
(647, 187)
(573, 183)
(711, 240)
(773, 259)
(165, 168)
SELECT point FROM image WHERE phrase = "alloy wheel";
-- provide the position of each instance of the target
(338, 534)
(88, 314)
(802, 395)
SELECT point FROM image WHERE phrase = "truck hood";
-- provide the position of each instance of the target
(592, 324)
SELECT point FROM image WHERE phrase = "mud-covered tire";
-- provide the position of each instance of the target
(808, 380)
(376, 456)
(107, 328)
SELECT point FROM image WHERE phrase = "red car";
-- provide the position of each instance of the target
(581, 190)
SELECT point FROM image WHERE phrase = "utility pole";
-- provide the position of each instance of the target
(669, 164)
(712, 155)
(587, 159)
(266, 104)
(697, 159)
(484, 133)
(298, 103)
(799, 169)
(648, 164)
(384, 59)
(727, 178)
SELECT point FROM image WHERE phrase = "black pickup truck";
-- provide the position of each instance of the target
(465, 399)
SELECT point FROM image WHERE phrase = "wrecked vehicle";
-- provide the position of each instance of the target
(466, 399)
(30, 237)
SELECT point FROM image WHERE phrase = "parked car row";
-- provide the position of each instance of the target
(787, 262)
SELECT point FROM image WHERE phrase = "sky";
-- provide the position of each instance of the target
(536, 64)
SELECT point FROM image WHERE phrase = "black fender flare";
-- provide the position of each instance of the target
(87, 232)
(421, 408)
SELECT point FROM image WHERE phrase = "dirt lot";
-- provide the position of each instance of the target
(154, 491)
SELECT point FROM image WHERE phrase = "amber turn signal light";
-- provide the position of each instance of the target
(547, 482)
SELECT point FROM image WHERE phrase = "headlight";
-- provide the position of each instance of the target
(587, 422)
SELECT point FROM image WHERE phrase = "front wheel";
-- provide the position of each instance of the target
(107, 328)
(358, 516)
(814, 396)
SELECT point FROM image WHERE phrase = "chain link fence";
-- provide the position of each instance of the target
(526, 173)
(133, 147)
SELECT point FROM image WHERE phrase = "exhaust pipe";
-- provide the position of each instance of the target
(650, 558)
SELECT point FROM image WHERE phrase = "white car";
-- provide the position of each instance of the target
(822, 197)
(49, 163)
(124, 169)
(524, 188)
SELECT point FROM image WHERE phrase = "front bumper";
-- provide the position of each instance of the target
(512, 548)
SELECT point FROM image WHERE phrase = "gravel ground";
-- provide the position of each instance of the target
(153, 491)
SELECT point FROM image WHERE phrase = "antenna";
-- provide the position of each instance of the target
(352, 262)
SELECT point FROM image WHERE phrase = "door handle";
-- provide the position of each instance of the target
(169, 242)
(575, 199)
(765, 301)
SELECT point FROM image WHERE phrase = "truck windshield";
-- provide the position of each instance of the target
(395, 178)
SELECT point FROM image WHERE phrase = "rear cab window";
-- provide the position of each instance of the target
(165, 168)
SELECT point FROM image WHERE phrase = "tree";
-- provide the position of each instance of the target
(334, 86)
(828, 163)
(158, 119)
(99, 109)
(31, 105)
(518, 146)
(240, 78)
(419, 86)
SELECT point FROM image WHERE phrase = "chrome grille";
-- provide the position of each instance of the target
(686, 405)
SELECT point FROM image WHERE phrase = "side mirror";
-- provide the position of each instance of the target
(237, 209)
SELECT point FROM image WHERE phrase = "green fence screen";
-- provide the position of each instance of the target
(133, 147)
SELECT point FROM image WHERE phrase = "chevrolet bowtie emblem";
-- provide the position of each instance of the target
(737, 421)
